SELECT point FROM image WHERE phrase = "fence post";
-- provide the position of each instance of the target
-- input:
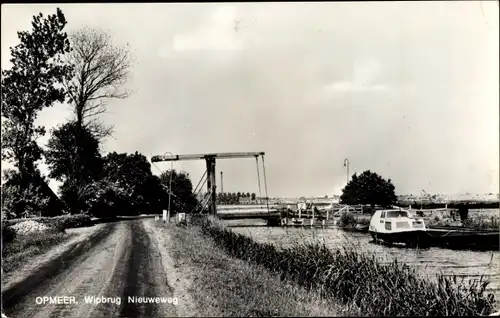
(312, 220)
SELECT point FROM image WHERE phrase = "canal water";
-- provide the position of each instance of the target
(463, 264)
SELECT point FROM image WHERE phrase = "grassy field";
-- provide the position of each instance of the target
(227, 286)
(358, 280)
(24, 247)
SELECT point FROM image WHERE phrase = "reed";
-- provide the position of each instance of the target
(358, 279)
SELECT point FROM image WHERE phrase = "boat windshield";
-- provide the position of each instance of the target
(397, 214)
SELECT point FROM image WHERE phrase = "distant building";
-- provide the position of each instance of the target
(245, 200)
(55, 205)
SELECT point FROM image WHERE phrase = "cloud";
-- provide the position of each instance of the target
(218, 33)
(309, 84)
(346, 86)
(363, 79)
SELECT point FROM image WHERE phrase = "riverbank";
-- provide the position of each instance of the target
(222, 285)
(358, 279)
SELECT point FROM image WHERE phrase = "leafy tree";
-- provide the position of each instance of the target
(101, 69)
(31, 85)
(126, 186)
(369, 188)
(72, 160)
(248, 194)
(182, 190)
(131, 178)
(253, 196)
(78, 196)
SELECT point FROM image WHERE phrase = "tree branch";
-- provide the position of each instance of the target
(101, 70)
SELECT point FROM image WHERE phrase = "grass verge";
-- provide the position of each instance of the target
(24, 247)
(357, 279)
(225, 286)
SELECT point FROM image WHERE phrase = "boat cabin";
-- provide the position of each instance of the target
(396, 220)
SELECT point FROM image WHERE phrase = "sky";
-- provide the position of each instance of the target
(409, 90)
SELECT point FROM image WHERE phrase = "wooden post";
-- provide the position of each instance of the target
(300, 210)
(211, 187)
(209, 172)
(214, 189)
(327, 215)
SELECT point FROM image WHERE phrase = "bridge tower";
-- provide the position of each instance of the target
(210, 164)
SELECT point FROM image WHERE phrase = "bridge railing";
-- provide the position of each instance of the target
(222, 209)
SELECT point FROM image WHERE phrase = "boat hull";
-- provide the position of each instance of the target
(410, 238)
(455, 239)
(461, 238)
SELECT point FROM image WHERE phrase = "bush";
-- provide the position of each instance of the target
(347, 219)
(480, 223)
(59, 223)
(8, 233)
(358, 279)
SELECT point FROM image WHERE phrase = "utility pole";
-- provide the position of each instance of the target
(346, 164)
(221, 183)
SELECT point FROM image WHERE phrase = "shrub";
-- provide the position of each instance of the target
(8, 233)
(347, 219)
(359, 279)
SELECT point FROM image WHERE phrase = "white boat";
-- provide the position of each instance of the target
(396, 226)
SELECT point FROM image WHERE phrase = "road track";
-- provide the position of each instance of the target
(119, 263)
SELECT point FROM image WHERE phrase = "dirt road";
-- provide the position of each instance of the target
(122, 264)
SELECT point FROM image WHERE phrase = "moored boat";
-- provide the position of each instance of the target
(463, 238)
(297, 222)
(399, 226)
(396, 226)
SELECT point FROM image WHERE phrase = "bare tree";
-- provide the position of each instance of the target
(100, 71)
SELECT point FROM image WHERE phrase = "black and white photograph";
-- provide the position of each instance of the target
(250, 159)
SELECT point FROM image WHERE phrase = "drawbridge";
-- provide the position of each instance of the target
(209, 176)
